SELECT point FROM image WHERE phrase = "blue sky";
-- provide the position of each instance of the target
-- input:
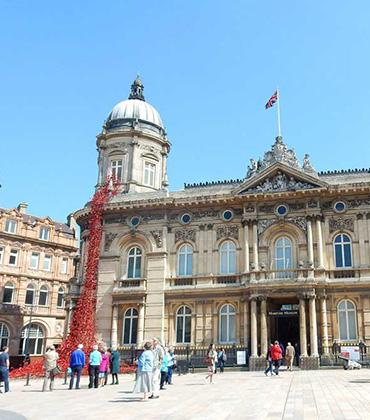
(208, 67)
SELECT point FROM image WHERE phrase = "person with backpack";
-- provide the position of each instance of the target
(221, 358)
(210, 360)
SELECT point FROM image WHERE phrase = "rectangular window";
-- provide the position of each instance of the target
(44, 234)
(64, 266)
(116, 169)
(30, 293)
(34, 260)
(149, 174)
(11, 226)
(13, 257)
(47, 262)
(1, 255)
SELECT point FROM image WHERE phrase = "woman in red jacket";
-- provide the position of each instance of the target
(276, 356)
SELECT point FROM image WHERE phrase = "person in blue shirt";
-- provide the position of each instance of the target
(144, 373)
(4, 368)
(76, 363)
(94, 367)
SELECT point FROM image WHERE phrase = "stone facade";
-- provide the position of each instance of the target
(212, 262)
(36, 264)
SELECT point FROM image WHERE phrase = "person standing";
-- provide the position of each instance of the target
(270, 361)
(276, 356)
(158, 357)
(221, 358)
(114, 360)
(211, 360)
(4, 368)
(170, 365)
(50, 363)
(289, 356)
(76, 363)
(104, 362)
(94, 366)
(144, 372)
(164, 369)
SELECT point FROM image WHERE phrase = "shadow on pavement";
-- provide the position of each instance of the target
(11, 415)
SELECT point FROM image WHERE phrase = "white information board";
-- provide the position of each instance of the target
(352, 352)
(241, 358)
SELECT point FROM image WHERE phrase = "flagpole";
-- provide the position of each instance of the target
(278, 110)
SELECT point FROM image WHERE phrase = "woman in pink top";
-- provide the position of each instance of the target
(103, 366)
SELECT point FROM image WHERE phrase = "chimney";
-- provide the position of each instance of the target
(22, 208)
(71, 222)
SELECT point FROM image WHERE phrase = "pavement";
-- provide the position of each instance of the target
(322, 394)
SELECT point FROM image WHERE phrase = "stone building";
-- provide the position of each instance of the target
(36, 264)
(281, 254)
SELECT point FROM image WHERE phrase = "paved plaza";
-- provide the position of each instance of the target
(324, 394)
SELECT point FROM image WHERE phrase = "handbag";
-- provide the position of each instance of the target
(57, 370)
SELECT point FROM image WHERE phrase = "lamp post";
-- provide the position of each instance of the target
(34, 302)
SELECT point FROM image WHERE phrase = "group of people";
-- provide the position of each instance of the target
(275, 357)
(100, 364)
(155, 368)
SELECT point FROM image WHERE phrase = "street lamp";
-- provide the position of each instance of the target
(34, 303)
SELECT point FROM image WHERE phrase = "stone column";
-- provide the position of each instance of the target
(324, 324)
(302, 326)
(114, 332)
(254, 349)
(264, 344)
(255, 245)
(311, 261)
(320, 248)
(140, 323)
(361, 239)
(313, 326)
(246, 246)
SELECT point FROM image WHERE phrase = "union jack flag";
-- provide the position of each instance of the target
(272, 100)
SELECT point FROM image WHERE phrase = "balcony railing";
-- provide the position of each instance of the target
(203, 281)
(129, 285)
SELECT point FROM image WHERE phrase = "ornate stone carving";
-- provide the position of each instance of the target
(150, 217)
(151, 149)
(312, 204)
(358, 202)
(326, 205)
(299, 221)
(307, 167)
(184, 235)
(227, 232)
(296, 206)
(109, 238)
(108, 220)
(266, 209)
(342, 223)
(158, 237)
(280, 182)
(205, 213)
(249, 208)
(264, 224)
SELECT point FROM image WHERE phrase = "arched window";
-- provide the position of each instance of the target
(30, 294)
(134, 263)
(35, 345)
(185, 261)
(60, 300)
(283, 256)
(43, 296)
(4, 335)
(227, 324)
(347, 321)
(227, 258)
(183, 325)
(8, 295)
(129, 335)
(343, 255)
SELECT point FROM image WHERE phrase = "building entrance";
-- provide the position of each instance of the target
(283, 323)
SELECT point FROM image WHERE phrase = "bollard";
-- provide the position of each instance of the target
(65, 378)
(28, 379)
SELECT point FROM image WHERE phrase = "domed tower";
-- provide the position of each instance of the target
(133, 145)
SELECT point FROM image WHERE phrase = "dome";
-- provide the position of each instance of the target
(135, 109)
(135, 112)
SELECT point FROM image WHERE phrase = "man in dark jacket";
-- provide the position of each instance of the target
(77, 363)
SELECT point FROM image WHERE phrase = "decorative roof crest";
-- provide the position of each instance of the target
(280, 153)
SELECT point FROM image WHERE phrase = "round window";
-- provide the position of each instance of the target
(134, 221)
(185, 218)
(339, 207)
(227, 215)
(281, 210)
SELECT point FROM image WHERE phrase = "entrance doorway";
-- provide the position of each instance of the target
(283, 322)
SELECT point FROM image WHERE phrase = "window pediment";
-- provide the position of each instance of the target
(150, 156)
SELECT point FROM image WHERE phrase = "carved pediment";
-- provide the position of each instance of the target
(279, 178)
